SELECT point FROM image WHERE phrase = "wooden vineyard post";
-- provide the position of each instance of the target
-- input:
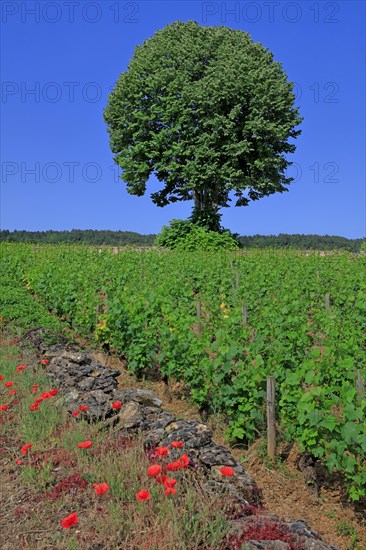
(237, 280)
(199, 326)
(271, 419)
(327, 302)
(244, 313)
(360, 386)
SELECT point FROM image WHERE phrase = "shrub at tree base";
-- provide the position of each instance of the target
(186, 236)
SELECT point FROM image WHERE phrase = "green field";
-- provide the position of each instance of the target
(220, 323)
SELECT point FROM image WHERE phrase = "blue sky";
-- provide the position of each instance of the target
(60, 60)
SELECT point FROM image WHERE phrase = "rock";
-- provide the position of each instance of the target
(266, 545)
(144, 397)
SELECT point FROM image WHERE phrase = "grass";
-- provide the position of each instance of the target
(56, 478)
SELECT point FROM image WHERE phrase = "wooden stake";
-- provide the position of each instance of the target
(360, 386)
(327, 302)
(271, 418)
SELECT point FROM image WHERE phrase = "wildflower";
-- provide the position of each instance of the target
(35, 388)
(143, 495)
(177, 444)
(1, 319)
(25, 448)
(162, 451)
(44, 361)
(173, 466)
(227, 471)
(39, 400)
(3, 407)
(100, 488)
(1, 377)
(71, 520)
(34, 407)
(85, 445)
(83, 408)
(19, 461)
(170, 483)
(75, 413)
(52, 393)
(161, 479)
(117, 405)
(184, 461)
(9, 384)
(46, 395)
(154, 470)
(20, 367)
(12, 392)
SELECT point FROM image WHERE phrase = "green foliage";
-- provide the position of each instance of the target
(145, 306)
(209, 112)
(184, 235)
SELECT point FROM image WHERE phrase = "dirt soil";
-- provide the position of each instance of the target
(285, 492)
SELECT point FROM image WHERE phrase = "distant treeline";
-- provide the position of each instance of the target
(122, 238)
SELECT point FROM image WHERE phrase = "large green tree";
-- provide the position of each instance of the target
(210, 113)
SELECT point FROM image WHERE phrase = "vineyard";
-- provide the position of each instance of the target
(220, 323)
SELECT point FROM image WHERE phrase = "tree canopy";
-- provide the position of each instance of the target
(210, 113)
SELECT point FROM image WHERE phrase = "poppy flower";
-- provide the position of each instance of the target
(3, 407)
(39, 400)
(85, 444)
(71, 520)
(162, 451)
(117, 405)
(46, 395)
(18, 461)
(25, 448)
(52, 393)
(12, 392)
(34, 407)
(44, 361)
(170, 491)
(35, 388)
(184, 461)
(20, 367)
(170, 483)
(1, 319)
(173, 466)
(83, 408)
(227, 471)
(76, 413)
(143, 495)
(1, 377)
(100, 488)
(177, 444)
(161, 479)
(9, 384)
(154, 470)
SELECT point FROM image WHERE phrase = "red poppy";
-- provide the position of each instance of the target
(154, 470)
(12, 392)
(39, 400)
(44, 361)
(117, 405)
(3, 407)
(75, 413)
(25, 448)
(173, 466)
(100, 488)
(184, 460)
(170, 491)
(46, 394)
(227, 471)
(35, 388)
(53, 393)
(161, 479)
(143, 495)
(1, 319)
(177, 444)
(1, 377)
(9, 384)
(34, 407)
(20, 367)
(170, 483)
(162, 451)
(83, 408)
(71, 520)
(85, 445)
(18, 461)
